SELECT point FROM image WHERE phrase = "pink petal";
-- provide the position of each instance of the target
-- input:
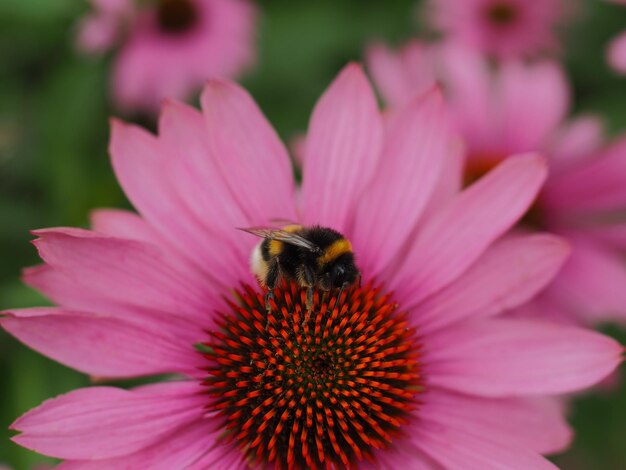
(577, 140)
(508, 274)
(532, 423)
(611, 235)
(450, 180)
(99, 345)
(415, 152)
(460, 448)
(616, 53)
(342, 149)
(97, 33)
(500, 357)
(528, 118)
(123, 224)
(201, 185)
(248, 153)
(401, 75)
(106, 422)
(467, 79)
(127, 271)
(183, 448)
(592, 282)
(403, 455)
(455, 237)
(64, 290)
(595, 185)
(145, 169)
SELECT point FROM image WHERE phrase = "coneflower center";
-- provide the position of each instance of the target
(501, 13)
(312, 389)
(176, 16)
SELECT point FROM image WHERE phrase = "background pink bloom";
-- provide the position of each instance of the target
(523, 107)
(102, 27)
(616, 53)
(182, 42)
(616, 50)
(504, 28)
(139, 290)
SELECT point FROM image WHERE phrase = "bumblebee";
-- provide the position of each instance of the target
(313, 257)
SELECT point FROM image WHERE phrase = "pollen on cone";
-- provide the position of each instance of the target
(312, 389)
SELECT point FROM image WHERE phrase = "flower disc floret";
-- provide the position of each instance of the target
(308, 389)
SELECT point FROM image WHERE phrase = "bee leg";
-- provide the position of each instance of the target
(271, 281)
(309, 299)
(309, 279)
(268, 298)
(343, 286)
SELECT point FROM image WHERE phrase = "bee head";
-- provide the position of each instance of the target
(340, 272)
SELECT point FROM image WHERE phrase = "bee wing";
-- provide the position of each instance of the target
(283, 236)
(283, 222)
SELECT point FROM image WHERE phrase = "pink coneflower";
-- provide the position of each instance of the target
(415, 368)
(504, 28)
(168, 48)
(520, 108)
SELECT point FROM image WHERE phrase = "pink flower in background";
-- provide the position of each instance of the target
(503, 28)
(170, 49)
(433, 377)
(520, 108)
(616, 51)
(103, 26)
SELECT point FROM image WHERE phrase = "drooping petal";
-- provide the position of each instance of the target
(66, 292)
(186, 447)
(414, 154)
(509, 357)
(533, 423)
(250, 156)
(455, 237)
(342, 150)
(99, 345)
(610, 235)
(508, 274)
(126, 271)
(596, 185)
(106, 422)
(459, 448)
(592, 282)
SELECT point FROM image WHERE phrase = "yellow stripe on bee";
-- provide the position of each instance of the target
(334, 251)
(275, 247)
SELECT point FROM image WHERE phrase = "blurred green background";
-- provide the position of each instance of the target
(54, 166)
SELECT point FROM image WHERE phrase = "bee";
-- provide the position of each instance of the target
(313, 257)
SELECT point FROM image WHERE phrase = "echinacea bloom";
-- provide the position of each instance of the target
(169, 48)
(521, 107)
(502, 28)
(428, 376)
